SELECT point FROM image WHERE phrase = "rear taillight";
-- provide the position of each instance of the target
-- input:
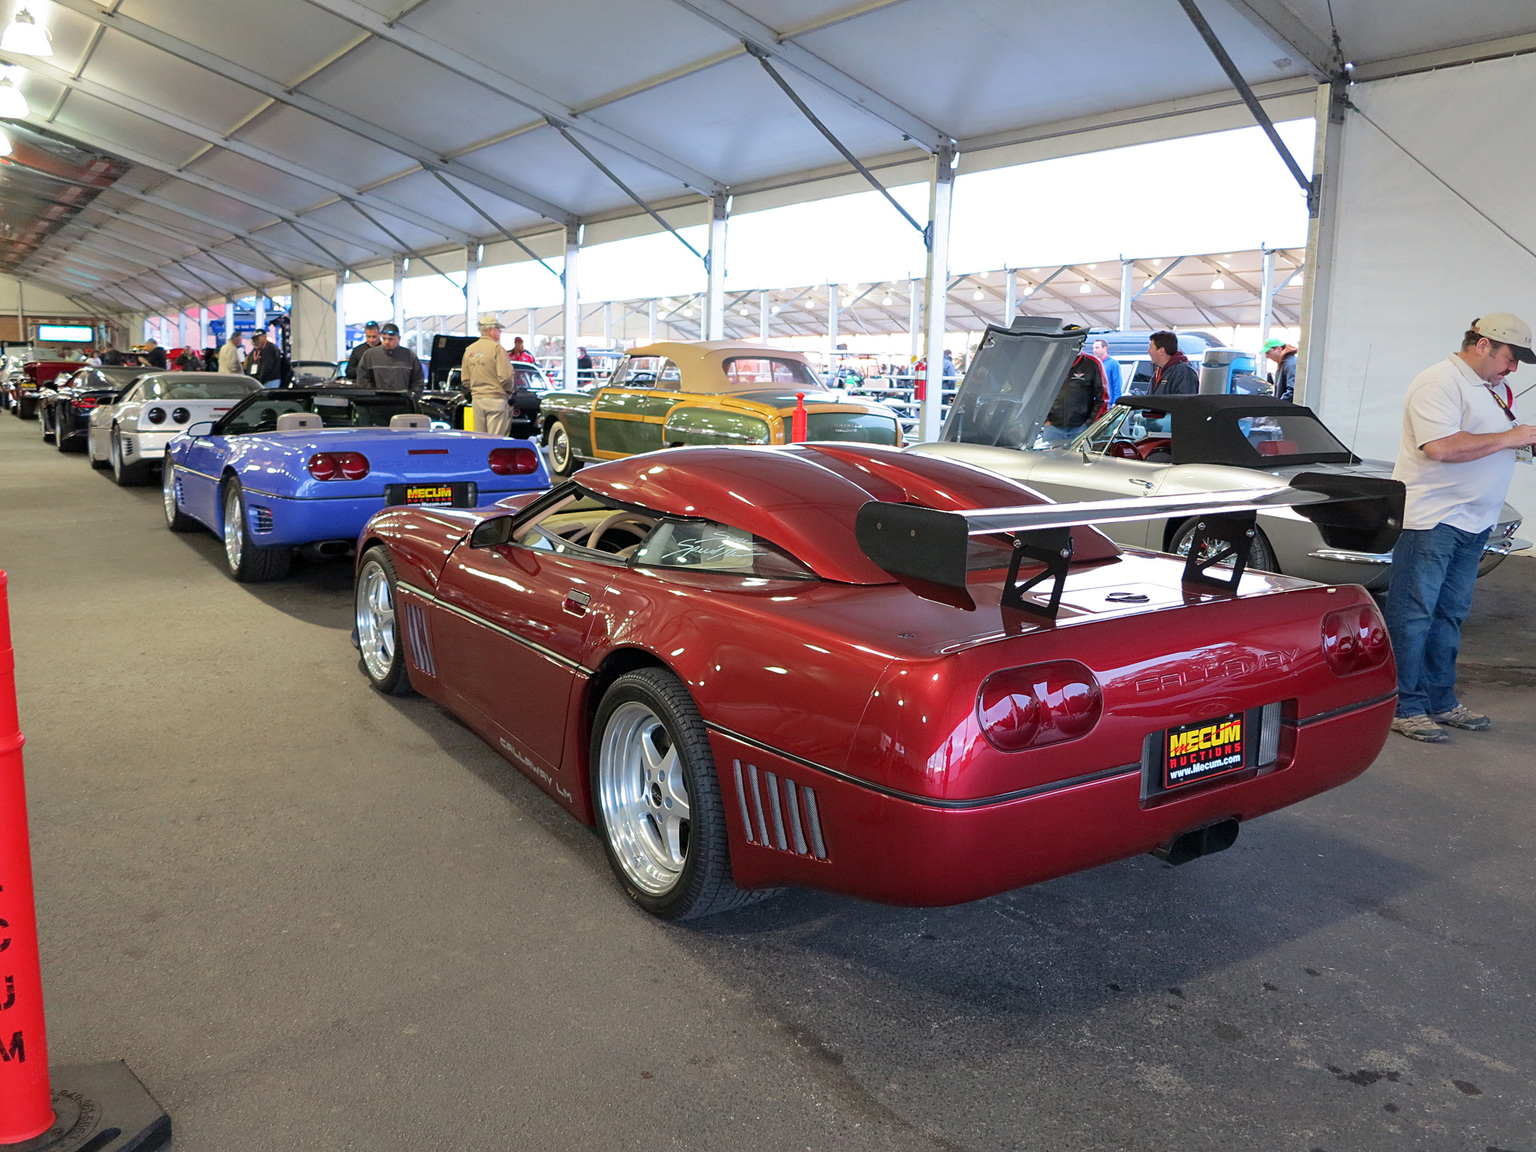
(1355, 639)
(85, 403)
(1038, 704)
(338, 465)
(513, 461)
(155, 415)
(181, 416)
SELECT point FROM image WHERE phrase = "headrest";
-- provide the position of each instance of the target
(295, 421)
(407, 420)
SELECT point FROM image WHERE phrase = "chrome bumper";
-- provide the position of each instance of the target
(1500, 547)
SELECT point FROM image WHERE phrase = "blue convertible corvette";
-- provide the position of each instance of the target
(290, 468)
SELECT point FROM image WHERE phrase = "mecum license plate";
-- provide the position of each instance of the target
(428, 494)
(1198, 751)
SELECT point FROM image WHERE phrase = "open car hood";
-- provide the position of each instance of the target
(1012, 382)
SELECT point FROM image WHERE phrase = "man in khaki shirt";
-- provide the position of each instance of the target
(487, 372)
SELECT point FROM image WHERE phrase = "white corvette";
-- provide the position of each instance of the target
(130, 435)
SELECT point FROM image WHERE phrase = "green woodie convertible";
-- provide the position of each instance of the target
(670, 394)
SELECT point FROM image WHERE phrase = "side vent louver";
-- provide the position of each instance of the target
(778, 813)
(420, 645)
(261, 520)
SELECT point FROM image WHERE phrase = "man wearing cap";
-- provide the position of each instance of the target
(1461, 440)
(370, 340)
(487, 372)
(265, 363)
(1284, 357)
(519, 352)
(390, 367)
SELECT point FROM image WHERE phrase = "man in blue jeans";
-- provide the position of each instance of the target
(1461, 441)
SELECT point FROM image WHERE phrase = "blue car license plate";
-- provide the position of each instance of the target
(460, 494)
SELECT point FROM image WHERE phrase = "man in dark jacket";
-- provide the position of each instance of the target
(264, 365)
(1284, 357)
(1173, 374)
(1083, 397)
(390, 367)
(370, 341)
(154, 355)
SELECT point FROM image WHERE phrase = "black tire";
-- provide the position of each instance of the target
(247, 562)
(381, 643)
(26, 410)
(563, 461)
(652, 703)
(175, 519)
(127, 475)
(60, 433)
(1261, 555)
(43, 411)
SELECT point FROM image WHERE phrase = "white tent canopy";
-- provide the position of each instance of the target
(334, 133)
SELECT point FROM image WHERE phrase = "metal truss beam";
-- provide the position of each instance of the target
(245, 77)
(209, 136)
(757, 35)
(1288, 31)
(482, 74)
(169, 168)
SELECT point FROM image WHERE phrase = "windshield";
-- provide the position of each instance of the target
(189, 386)
(260, 413)
(1010, 385)
(583, 525)
(745, 372)
(1278, 437)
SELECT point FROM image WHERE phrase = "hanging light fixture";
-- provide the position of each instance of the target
(26, 36)
(1085, 288)
(886, 301)
(13, 105)
(1218, 284)
(5, 143)
(978, 295)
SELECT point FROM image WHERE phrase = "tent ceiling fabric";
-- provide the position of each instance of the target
(319, 132)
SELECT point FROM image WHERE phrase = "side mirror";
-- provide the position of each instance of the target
(492, 533)
(201, 428)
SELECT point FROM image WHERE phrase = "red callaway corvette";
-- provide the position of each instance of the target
(872, 672)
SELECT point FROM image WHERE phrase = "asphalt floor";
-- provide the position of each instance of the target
(311, 917)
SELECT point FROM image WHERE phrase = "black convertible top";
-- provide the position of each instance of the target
(1206, 430)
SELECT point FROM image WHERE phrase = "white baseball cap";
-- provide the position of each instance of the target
(1507, 328)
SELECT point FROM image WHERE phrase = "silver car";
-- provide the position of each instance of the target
(1166, 446)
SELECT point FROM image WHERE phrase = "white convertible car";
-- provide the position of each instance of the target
(130, 435)
(1171, 446)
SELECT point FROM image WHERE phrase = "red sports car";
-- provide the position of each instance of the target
(889, 675)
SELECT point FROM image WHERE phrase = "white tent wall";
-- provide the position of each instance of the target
(1413, 263)
(313, 332)
(37, 299)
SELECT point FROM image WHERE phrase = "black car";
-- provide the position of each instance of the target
(64, 410)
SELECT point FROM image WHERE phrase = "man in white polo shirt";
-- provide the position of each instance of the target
(1461, 441)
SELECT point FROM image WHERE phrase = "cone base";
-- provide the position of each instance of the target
(100, 1108)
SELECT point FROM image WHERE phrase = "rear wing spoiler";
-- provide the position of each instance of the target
(927, 548)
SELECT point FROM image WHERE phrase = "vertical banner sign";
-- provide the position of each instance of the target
(26, 1107)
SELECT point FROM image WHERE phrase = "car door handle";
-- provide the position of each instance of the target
(1147, 484)
(576, 602)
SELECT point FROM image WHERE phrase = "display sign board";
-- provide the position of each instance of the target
(65, 333)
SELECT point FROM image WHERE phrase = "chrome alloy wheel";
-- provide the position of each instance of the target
(644, 798)
(234, 527)
(168, 491)
(376, 620)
